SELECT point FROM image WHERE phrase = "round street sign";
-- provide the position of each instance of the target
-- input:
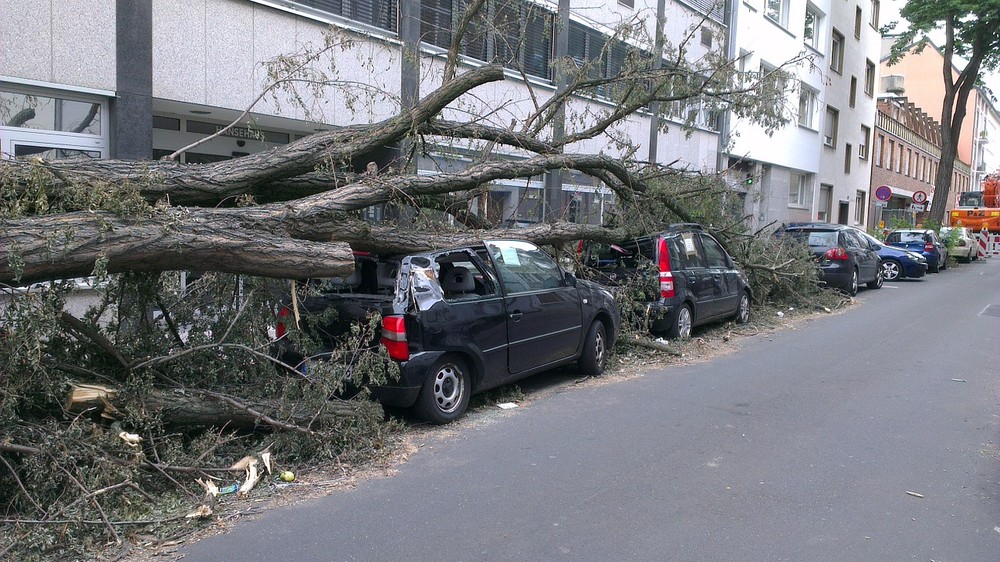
(883, 193)
(919, 197)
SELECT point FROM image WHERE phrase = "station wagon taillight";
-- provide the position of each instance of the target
(929, 247)
(666, 276)
(394, 337)
(837, 254)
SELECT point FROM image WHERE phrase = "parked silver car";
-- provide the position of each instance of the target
(966, 248)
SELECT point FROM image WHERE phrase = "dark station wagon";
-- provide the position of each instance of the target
(697, 281)
(465, 320)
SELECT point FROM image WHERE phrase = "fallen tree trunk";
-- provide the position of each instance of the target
(194, 407)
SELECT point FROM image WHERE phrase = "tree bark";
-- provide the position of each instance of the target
(181, 407)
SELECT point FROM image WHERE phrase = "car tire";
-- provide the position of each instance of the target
(680, 328)
(878, 281)
(445, 394)
(595, 351)
(852, 288)
(742, 315)
(943, 264)
(891, 270)
(935, 269)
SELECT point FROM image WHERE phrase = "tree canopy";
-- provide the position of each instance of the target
(970, 29)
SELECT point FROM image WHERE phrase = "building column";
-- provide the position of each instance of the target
(132, 106)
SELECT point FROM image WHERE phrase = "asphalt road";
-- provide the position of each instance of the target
(869, 435)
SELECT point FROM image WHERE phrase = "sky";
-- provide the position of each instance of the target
(889, 11)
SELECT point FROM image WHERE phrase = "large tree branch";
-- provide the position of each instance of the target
(261, 171)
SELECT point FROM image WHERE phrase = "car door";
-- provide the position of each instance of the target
(466, 315)
(544, 314)
(862, 254)
(688, 263)
(723, 280)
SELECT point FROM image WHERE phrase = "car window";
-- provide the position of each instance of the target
(816, 239)
(715, 255)
(907, 236)
(462, 279)
(851, 240)
(685, 252)
(523, 267)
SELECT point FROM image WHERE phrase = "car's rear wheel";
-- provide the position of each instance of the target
(891, 270)
(944, 263)
(681, 326)
(743, 310)
(595, 351)
(877, 282)
(852, 288)
(445, 394)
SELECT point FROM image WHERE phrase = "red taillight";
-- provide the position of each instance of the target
(929, 247)
(394, 337)
(666, 276)
(579, 247)
(280, 330)
(837, 254)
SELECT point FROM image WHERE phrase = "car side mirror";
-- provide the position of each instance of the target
(569, 279)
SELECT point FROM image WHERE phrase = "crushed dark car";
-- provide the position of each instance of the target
(465, 320)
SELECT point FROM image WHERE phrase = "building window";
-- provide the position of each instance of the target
(854, 91)
(777, 11)
(859, 207)
(52, 124)
(830, 127)
(848, 157)
(800, 190)
(627, 3)
(514, 33)
(858, 17)
(810, 32)
(807, 106)
(879, 144)
(875, 13)
(899, 160)
(906, 162)
(891, 155)
(837, 52)
(376, 13)
(866, 134)
(435, 22)
(869, 78)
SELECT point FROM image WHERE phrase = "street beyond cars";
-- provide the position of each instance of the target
(463, 320)
(923, 240)
(697, 280)
(845, 259)
(966, 247)
(898, 263)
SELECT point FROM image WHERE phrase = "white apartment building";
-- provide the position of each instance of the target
(140, 79)
(817, 168)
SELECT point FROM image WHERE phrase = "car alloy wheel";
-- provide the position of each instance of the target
(891, 270)
(852, 289)
(682, 323)
(595, 350)
(743, 311)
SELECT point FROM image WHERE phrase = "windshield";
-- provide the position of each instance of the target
(970, 199)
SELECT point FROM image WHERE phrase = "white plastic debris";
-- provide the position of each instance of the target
(781, 314)
(507, 405)
(662, 341)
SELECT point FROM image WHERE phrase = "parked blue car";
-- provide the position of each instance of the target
(898, 263)
(923, 241)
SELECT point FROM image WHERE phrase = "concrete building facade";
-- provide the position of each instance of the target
(140, 79)
(817, 167)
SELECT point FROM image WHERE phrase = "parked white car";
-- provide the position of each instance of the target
(966, 248)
